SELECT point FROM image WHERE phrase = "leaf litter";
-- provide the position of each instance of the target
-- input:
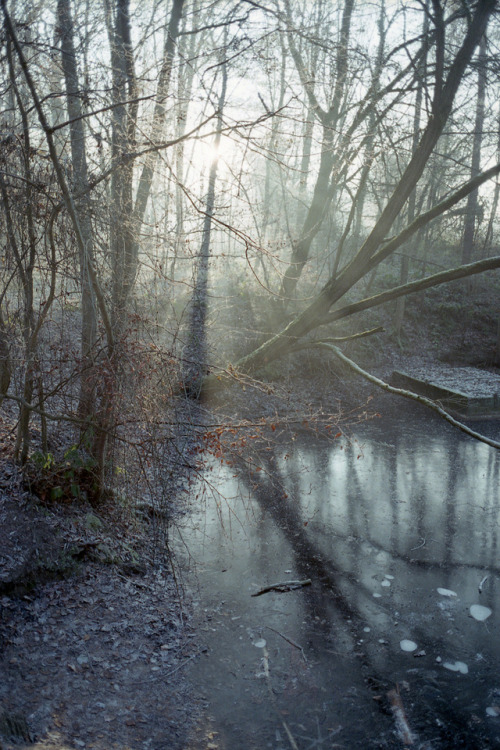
(93, 659)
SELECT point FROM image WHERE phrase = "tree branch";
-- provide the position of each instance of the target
(443, 277)
(68, 200)
(337, 340)
(409, 394)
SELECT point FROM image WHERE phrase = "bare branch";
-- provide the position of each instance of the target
(409, 394)
(443, 277)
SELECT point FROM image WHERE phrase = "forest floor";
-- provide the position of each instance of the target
(95, 629)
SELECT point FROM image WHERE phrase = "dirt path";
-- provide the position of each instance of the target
(96, 661)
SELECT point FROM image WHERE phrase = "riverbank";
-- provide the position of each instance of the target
(95, 628)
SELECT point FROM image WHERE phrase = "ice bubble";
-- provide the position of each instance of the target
(377, 596)
(385, 583)
(260, 643)
(446, 592)
(389, 577)
(407, 645)
(493, 711)
(457, 666)
(366, 630)
(479, 612)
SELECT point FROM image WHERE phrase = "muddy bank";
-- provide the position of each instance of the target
(94, 628)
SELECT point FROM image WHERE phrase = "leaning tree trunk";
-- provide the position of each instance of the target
(374, 251)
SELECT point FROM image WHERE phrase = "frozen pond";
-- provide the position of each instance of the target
(396, 640)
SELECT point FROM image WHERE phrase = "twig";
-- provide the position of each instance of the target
(183, 663)
(482, 584)
(160, 676)
(283, 587)
(289, 640)
(265, 661)
(422, 544)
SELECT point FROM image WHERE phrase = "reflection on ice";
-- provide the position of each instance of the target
(456, 666)
(342, 522)
(479, 612)
(407, 645)
(446, 592)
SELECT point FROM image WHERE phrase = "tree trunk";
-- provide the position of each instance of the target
(124, 120)
(195, 353)
(405, 261)
(5, 360)
(184, 89)
(472, 201)
(82, 208)
(146, 178)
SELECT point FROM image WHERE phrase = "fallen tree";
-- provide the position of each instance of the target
(378, 246)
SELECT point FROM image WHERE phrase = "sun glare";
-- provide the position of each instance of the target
(208, 152)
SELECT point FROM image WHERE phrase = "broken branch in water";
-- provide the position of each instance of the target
(283, 587)
(398, 711)
(481, 584)
(409, 394)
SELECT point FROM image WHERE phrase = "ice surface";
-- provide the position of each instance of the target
(407, 645)
(479, 612)
(260, 643)
(456, 666)
(446, 592)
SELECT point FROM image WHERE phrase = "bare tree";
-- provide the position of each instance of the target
(377, 246)
(471, 212)
(82, 206)
(195, 355)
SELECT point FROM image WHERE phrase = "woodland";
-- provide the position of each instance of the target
(202, 198)
(197, 192)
